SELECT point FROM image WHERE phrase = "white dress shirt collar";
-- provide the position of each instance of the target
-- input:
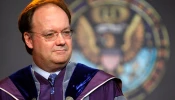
(42, 72)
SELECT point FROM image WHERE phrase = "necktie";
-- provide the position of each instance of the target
(51, 80)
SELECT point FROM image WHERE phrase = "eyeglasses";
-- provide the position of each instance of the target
(52, 35)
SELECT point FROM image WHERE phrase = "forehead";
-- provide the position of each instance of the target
(49, 14)
(49, 8)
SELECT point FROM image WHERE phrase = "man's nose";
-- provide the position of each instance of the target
(60, 40)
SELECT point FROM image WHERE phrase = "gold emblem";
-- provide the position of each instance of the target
(69, 98)
(125, 38)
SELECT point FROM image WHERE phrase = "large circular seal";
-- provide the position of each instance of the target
(124, 38)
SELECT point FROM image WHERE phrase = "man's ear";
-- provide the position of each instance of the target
(28, 40)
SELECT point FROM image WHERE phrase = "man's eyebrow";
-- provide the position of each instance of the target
(55, 30)
(48, 31)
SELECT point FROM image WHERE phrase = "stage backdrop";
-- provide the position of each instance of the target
(130, 39)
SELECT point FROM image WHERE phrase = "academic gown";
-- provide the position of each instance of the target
(75, 82)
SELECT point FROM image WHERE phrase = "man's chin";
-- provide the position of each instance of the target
(61, 61)
(60, 52)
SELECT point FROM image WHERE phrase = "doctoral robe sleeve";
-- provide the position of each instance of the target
(5, 96)
(109, 91)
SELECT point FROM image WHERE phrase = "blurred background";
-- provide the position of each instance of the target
(130, 39)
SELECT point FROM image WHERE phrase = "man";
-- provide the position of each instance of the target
(46, 31)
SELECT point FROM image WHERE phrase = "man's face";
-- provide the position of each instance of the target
(48, 19)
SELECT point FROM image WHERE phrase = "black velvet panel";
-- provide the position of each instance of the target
(79, 80)
(24, 81)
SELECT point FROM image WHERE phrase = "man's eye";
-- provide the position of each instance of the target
(48, 35)
(66, 32)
